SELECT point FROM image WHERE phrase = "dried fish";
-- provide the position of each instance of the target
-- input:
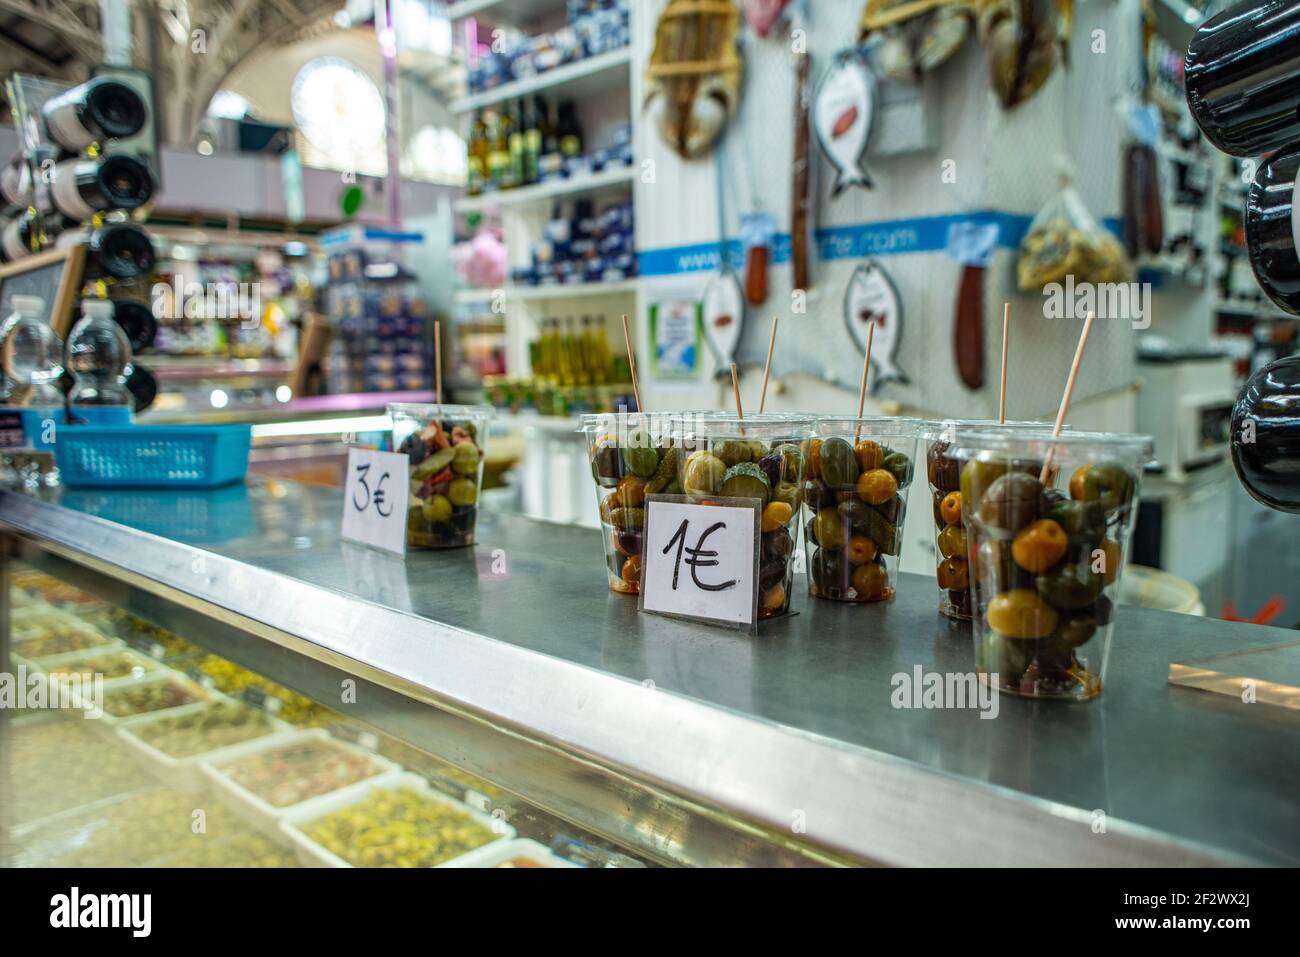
(693, 80)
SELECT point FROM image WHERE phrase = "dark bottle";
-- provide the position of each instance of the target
(1242, 75)
(1266, 435)
(532, 142)
(1271, 229)
(517, 145)
(569, 130)
(551, 163)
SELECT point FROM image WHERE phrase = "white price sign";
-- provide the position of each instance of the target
(701, 561)
(375, 496)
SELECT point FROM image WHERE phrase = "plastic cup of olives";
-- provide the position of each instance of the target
(943, 472)
(1046, 557)
(725, 457)
(446, 445)
(631, 456)
(855, 501)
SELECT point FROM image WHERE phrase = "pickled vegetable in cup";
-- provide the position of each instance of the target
(855, 501)
(631, 456)
(723, 458)
(943, 472)
(1046, 557)
(446, 445)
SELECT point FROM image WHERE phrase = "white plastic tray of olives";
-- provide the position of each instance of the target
(262, 812)
(299, 819)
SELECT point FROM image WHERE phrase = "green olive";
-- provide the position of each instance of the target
(463, 491)
(464, 461)
(901, 466)
(1005, 657)
(1109, 484)
(1010, 502)
(703, 473)
(828, 529)
(792, 462)
(788, 493)
(1070, 585)
(437, 509)
(642, 460)
(1072, 631)
(733, 452)
(976, 476)
(1084, 522)
(839, 463)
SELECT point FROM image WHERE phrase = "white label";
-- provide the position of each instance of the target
(375, 495)
(699, 561)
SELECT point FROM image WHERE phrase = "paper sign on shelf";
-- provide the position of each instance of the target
(701, 561)
(375, 495)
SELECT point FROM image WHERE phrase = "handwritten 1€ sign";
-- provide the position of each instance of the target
(375, 496)
(701, 561)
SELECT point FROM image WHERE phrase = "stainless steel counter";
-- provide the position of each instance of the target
(701, 744)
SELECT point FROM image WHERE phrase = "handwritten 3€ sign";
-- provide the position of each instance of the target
(700, 561)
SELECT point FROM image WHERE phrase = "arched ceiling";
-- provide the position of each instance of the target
(194, 43)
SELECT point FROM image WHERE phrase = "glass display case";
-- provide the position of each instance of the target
(261, 692)
(146, 748)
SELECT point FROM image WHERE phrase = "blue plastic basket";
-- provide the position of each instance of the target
(153, 456)
(34, 421)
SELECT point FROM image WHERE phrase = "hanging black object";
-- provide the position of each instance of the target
(137, 321)
(143, 387)
(1271, 230)
(1242, 75)
(1266, 435)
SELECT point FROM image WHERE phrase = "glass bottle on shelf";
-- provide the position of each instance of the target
(517, 138)
(551, 163)
(570, 132)
(99, 355)
(498, 151)
(478, 155)
(532, 141)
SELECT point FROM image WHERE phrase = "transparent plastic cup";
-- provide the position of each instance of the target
(1046, 557)
(943, 473)
(631, 456)
(446, 445)
(725, 457)
(855, 503)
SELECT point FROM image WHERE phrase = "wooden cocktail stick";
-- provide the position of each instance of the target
(1069, 391)
(1002, 394)
(862, 388)
(631, 364)
(767, 369)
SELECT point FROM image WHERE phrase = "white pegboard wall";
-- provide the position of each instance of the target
(1003, 161)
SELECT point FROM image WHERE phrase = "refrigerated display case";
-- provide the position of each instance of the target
(332, 704)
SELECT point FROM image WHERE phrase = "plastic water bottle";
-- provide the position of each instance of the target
(31, 354)
(99, 355)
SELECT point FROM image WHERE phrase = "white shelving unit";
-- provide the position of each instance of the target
(602, 86)
(584, 78)
(607, 180)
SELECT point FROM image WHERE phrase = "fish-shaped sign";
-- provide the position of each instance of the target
(871, 297)
(844, 111)
(723, 312)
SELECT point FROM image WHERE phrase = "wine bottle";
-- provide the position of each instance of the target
(80, 188)
(1272, 231)
(1242, 75)
(97, 110)
(1266, 435)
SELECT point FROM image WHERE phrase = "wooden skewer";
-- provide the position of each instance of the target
(1002, 395)
(631, 364)
(862, 388)
(767, 369)
(437, 364)
(1069, 391)
(735, 387)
